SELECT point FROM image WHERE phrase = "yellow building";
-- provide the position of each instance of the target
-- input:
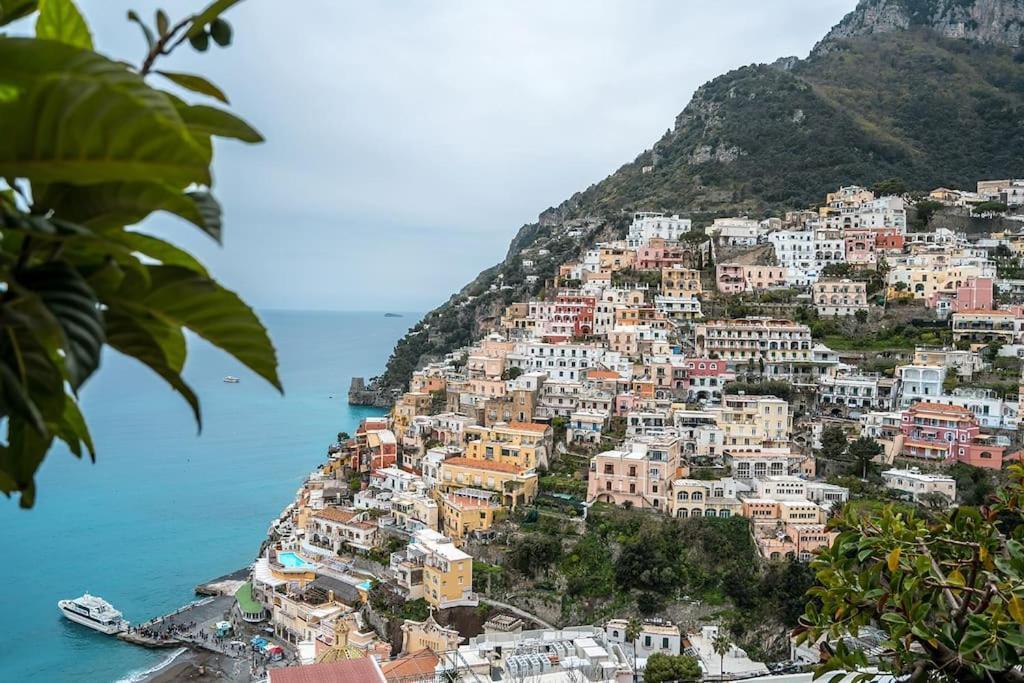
(523, 444)
(411, 404)
(677, 281)
(614, 257)
(515, 485)
(447, 571)
(466, 511)
(754, 421)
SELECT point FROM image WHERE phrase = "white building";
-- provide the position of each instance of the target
(920, 383)
(737, 232)
(559, 361)
(648, 225)
(918, 483)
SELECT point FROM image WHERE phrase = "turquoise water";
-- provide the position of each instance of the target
(164, 509)
(292, 560)
(365, 585)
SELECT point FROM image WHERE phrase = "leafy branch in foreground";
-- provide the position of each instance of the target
(89, 148)
(948, 590)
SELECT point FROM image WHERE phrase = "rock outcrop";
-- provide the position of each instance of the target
(993, 22)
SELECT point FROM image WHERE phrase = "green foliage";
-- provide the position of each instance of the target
(974, 485)
(534, 554)
(774, 387)
(948, 590)
(989, 207)
(60, 20)
(90, 148)
(861, 452)
(833, 442)
(927, 208)
(662, 668)
(888, 187)
(588, 568)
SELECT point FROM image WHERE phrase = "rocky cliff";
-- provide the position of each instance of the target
(930, 92)
(994, 22)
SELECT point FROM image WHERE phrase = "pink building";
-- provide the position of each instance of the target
(641, 474)
(860, 247)
(733, 278)
(941, 433)
(975, 295)
(659, 253)
(624, 403)
(729, 278)
(797, 542)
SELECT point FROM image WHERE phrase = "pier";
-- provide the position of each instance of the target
(224, 585)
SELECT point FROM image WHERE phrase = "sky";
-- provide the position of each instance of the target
(407, 141)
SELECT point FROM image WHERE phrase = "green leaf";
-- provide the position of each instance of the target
(146, 32)
(162, 23)
(60, 20)
(74, 307)
(199, 41)
(109, 206)
(187, 298)
(207, 16)
(220, 31)
(195, 84)
(72, 430)
(204, 120)
(32, 376)
(81, 118)
(209, 209)
(164, 252)
(20, 459)
(12, 10)
(154, 342)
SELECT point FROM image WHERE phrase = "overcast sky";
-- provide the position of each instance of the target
(408, 141)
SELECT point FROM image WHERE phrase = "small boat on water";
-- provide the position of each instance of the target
(94, 612)
(231, 379)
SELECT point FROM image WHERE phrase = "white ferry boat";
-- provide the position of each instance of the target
(231, 379)
(94, 612)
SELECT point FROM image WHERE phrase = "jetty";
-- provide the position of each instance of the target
(224, 585)
(153, 643)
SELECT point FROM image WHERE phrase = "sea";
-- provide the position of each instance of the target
(164, 508)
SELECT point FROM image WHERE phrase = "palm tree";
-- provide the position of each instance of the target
(721, 644)
(633, 628)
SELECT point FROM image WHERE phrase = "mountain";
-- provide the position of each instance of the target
(929, 92)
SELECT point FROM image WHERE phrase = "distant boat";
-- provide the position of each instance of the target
(231, 379)
(392, 315)
(94, 612)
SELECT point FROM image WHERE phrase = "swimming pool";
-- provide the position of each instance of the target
(293, 561)
(365, 585)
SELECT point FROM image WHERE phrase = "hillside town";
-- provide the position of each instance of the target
(749, 376)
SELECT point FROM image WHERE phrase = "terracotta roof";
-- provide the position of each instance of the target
(336, 514)
(363, 670)
(415, 664)
(528, 427)
(602, 374)
(941, 408)
(481, 465)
